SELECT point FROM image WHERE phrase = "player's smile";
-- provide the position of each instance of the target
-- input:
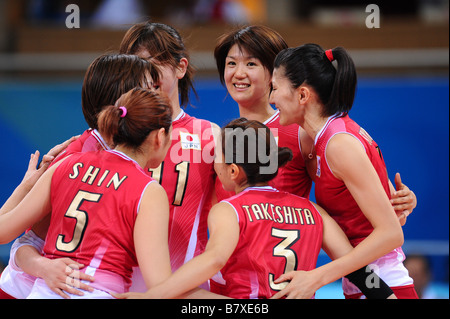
(241, 85)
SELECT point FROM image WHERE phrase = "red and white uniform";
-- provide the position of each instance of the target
(292, 177)
(279, 232)
(336, 199)
(95, 200)
(187, 175)
(89, 141)
(14, 283)
(13, 280)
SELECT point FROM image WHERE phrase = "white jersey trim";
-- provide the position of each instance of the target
(272, 118)
(100, 139)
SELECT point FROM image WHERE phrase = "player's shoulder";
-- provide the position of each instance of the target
(192, 119)
(201, 127)
(154, 192)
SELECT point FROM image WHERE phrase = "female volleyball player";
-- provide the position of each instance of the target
(187, 173)
(351, 177)
(12, 280)
(107, 78)
(33, 173)
(244, 59)
(260, 232)
(107, 213)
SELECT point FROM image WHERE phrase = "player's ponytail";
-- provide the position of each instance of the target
(108, 123)
(108, 77)
(344, 86)
(135, 114)
(311, 65)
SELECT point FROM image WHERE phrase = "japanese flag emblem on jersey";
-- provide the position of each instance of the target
(190, 141)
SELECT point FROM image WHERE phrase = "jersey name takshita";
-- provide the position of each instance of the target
(92, 174)
(279, 214)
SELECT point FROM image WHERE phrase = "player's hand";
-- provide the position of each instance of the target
(34, 171)
(56, 150)
(403, 200)
(302, 285)
(32, 174)
(63, 275)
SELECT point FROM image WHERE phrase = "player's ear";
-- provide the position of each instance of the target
(182, 68)
(303, 94)
(237, 174)
(161, 137)
(157, 139)
(234, 171)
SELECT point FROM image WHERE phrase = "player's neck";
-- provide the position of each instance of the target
(176, 112)
(313, 123)
(240, 188)
(137, 156)
(175, 104)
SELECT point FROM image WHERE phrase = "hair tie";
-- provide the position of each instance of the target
(124, 111)
(329, 55)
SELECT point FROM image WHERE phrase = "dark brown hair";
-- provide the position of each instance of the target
(164, 45)
(309, 64)
(260, 41)
(146, 111)
(245, 141)
(108, 77)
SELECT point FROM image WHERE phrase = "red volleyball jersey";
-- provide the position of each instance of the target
(89, 141)
(95, 199)
(279, 232)
(331, 193)
(187, 175)
(292, 177)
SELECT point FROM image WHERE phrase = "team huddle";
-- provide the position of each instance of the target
(150, 202)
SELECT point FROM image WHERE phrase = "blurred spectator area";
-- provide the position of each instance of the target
(413, 35)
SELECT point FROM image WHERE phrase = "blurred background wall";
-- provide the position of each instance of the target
(402, 97)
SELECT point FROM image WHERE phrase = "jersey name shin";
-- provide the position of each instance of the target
(96, 175)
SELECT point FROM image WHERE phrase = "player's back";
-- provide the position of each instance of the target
(17, 282)
(279, 232)
(187, 175)
(95, 199)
